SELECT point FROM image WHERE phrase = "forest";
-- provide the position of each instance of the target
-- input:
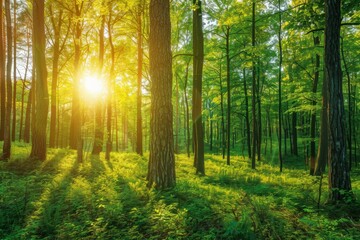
(159, 119)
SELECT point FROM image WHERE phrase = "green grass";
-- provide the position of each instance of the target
(99, 199)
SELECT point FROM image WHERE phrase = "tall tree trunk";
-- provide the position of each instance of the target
(279, 82)
(139, 134)
(248, 140)
(99, 120)
(110, 94)
(21, 135)
(198, 62)
(28, 114)
(75, 123)
(350, 112)
(56, 24)
(161, 168)
(253, 89)
(228, 113)
(339, 173)
(38, 149)
(313, 168)
(222, 115)
(188, 140)
(7, 129)
(13, 128)
(2, 76)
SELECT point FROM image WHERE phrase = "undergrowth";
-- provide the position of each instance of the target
(98, 199)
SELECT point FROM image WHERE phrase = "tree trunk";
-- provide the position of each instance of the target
(75, 124)
(222, 115)
(188, 140)
(56, 24)
(13, 128)
(99, 120)
(28, 114)
(161, 168)
(38, 149)
(228, 113)
(139, 134)
(7, 129)
(339, 174)
(253, 89)
(313, 168)
(110, 94)
(350, 112)
(2, 76)
(198, 62)
(21, 135)
(279, 82)
(248, 140)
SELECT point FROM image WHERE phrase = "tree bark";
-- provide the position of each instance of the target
(248, 140)
(313, 159)
(55, 72)
(38, 149)
(198, 61)
(228, 113)
(139, 134)
(339, 174)
(161, 168)
(7, 129)
(2, 76)
(253, 89)
(13, 127)
(75, 123)
(279, 83)
(99, 120)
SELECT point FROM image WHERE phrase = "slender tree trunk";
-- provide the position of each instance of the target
(21, 135)
(55, 72)
(139, 134)
(253, 89)
(313, 168)
(279, 82)
(38, 149)
(188, 142)
(75, 123)
(110, 94)
(13, 128)
(161, 168)
(28, 114)
(228, 113)
(247, 121)
(339, 173)
(7, 133)
(2, 76)
(349, 136)
(99, 120)
(222, 115)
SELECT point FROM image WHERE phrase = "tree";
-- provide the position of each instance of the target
(38, 150)
(161, 168)
(99, 124)
(198, 61)
(7, 133)
(2, 76)
(339, 174)
(75, 124)
(139, 135)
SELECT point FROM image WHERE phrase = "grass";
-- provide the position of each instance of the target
(99, 199)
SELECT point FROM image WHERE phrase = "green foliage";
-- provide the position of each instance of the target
(99, 199)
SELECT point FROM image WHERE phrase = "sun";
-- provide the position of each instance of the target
(93, 85)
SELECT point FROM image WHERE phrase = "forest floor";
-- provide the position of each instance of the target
(99, 199)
